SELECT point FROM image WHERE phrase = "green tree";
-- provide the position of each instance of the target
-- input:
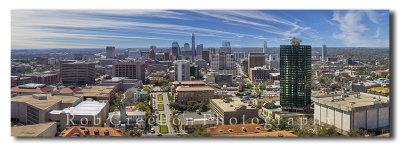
(147, 88)
(134, 133)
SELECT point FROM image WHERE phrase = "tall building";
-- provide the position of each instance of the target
(110, 52)
(152, 53)
(265, 47)
(182, 70)
(176, 50)
(199, 50)
(193, 46)
(323, 54)
(295, 76)
(129, 69)
(226, 44)
(255, 60)
(226, 50)
(238, 55)
(77, 73)
(211, 50)
(186, 47)
(222, 61)
(273, 61)
(206, 56)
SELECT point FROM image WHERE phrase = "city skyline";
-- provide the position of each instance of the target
(244, 28)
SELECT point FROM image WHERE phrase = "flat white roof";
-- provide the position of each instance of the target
(83, 108)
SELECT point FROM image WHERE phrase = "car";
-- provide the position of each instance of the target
(159, 135)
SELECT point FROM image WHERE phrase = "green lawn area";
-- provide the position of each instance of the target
(160, 97)
(163, 128)
(162, 117)
(160, 107)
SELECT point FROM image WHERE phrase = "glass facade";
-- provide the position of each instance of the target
(295, 76)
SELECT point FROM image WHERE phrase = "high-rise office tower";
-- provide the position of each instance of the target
(265, 48)
(186, 47)
(295, 77)
(182, 70)
(193, 46)
(199, 50)
(176, 50)
(226, 44)
(152, 53)
(129, 69)
(77, 73)
(255, 60)
(323, 54)
(110, 52)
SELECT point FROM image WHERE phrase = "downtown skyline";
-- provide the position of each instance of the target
(243, 28)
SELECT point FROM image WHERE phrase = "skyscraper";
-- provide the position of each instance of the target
(110, 52)
(182, 70)
(265, 48)
(295, 76)
(186, 47)
(193, 46)
(226, 44)
(199, 50)
(152, 53)
(255, 60)
(323, 54)
(176, 50)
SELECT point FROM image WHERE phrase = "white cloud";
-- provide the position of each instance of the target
(353, 30)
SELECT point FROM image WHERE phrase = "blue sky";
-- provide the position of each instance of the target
(243, 28)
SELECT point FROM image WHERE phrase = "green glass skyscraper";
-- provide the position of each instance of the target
(295, 77)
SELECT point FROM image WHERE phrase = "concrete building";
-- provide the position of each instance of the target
(86, 113)
(37, 130)
(324, 53)
(222, 61)
(97, 92)
(33, 109)
(77, 73)
(222, 79)
(121, 83)
(233, 110)
(352, 111)
(273, 61)
(186, 47)
(190, 121)
(256, 60)
(110, 52)
(31, 88)
(105, 62)
(206, 56)
(363, 86)
(19, 80)
(136, 94)
(42, 60)
(134, 118)
(182, 70)
(238, 55)
(201, 94)
(199, 51)
(44, 78)
(129, 69)
(259, 74)
(201, 63)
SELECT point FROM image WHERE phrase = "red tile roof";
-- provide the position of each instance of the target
(268, 134)
(130, 108)
(195, 88)
(239, 128)
(189, 83)
(91, 131)
(68, 90)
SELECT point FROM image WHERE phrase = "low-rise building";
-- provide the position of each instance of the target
(86, 113)
(33, 109)
(268, 134)
(17, 80)
(43, 129)
(190, 121)
(352, 111)
(97, 92)
(136, 95)
(121, 83)
(201, 94)
(223, 79)
(233, 110)
(31, 88)
(79, 131)
(259, 74)
(259, 101)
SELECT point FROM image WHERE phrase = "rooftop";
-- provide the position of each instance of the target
(32, 88)
(88, 107)
(30, 130)
(196, 88)
(352, 101)
(232, 105)
(268, 99)
(239, 128)
(96, 91)
(44, 101)
(91, 131)
(189, 83)
(189, 118)
(268, 134)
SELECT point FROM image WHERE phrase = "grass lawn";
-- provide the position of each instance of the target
(163, 129)
(160, 107)
(162, 117)
(160, 97)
